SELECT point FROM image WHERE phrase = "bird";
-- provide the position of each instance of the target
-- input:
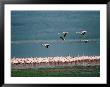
(82, 32)
(46, 45)
(62, 38)
(65, 34)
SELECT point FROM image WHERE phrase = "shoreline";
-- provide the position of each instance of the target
(44, 62)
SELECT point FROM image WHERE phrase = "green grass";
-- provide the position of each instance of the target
(68, 71)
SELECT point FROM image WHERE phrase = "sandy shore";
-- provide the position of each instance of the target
(38, 62)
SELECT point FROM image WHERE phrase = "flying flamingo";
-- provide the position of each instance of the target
(46, 45)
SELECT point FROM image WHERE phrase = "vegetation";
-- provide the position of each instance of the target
(67, 71)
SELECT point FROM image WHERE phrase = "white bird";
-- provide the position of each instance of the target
(82, 32)
(64, 35)
(62, 38)
(46, 45)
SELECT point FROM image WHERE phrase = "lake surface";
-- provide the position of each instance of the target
(30, 29)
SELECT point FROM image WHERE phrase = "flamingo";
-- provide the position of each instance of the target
(82, 32)
(54, 61)
(62, 38)
(46, 45)
(64, 35)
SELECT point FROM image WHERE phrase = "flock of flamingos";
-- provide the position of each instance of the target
(36, 62)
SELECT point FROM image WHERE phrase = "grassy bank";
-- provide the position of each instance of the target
(67, 71)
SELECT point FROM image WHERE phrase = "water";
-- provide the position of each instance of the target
(30, 29)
